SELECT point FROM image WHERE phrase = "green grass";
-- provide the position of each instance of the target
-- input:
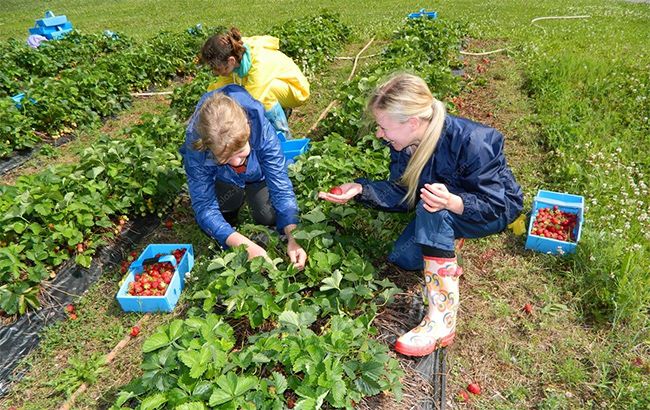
(568, 95)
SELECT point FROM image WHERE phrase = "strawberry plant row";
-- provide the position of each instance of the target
(320, 349)
(20, 63)
(69, 210)
(424, 46)
(310, 41)
(86, 93)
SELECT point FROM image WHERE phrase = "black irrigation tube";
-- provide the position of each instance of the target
(71, 281)
(434, 369)
(19, 157)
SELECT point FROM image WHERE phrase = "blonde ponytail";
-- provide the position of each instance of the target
(424, 152)
(405, 96)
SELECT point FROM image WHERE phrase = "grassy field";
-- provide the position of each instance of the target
(572, 97)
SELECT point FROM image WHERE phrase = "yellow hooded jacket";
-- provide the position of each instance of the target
(273, 77)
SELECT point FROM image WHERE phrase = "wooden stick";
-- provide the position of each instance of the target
(333, 103)
(109, 358)
(356, 59)
(151, 94)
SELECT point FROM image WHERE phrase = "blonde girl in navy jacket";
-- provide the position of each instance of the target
(453, 172)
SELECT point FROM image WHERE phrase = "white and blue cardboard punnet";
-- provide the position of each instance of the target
(565, 202)
(167, 302)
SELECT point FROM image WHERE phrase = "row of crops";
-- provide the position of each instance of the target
(67, 211)
(82, 79)
(311, 340)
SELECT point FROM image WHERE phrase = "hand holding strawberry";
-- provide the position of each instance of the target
(341, 194)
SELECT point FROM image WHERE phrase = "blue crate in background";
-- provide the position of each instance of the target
(292, 148)
(51, 27)
(565, 202)
(424, 14)
(18, 98)
(165, 303)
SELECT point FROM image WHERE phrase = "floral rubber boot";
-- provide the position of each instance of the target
(439, 324)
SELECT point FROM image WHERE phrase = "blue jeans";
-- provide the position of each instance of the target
(436, 230)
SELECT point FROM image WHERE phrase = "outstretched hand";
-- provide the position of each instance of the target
(350, 190)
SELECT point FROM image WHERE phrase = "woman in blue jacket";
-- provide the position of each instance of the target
(231, 154)
(454, 173)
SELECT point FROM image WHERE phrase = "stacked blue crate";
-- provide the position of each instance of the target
(51, 27)
(423, 14)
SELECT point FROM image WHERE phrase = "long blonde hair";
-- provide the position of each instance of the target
(222, 126)
(405, 96)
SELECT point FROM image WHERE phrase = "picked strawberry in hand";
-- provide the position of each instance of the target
(336, 190)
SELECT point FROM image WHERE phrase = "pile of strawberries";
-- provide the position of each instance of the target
(555, 224)
(155, 278)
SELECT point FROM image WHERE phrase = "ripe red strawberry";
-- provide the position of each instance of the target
(69, 308)
(336, 190)
(73, 316)
(463, 396)
(169, 224)
(135, 330)
(528, 308)
(474, 388)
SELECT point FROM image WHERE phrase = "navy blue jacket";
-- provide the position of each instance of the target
(469, 160)
(265, 162)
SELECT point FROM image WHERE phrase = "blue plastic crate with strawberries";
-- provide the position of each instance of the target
(154, 280)
(555, 223)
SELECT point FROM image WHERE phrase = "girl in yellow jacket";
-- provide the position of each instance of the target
(257, 64)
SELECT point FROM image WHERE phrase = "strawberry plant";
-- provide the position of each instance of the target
(16, 131)
(311, 41)
(195, 361)
(428, 47)
(65, 211)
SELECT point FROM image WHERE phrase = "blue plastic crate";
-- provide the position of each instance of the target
(164, 303)
(565, 202)
(293, 148)
(18, 98)
(424, 14)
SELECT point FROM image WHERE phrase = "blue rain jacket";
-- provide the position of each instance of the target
(469, 160)
(265, 163)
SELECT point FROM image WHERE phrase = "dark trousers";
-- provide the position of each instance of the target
(256, 194)
(436, 230)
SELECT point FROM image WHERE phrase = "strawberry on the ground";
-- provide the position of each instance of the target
(69, 308)
(135, 330)
(463, 396)
(528, 308)
(73, 316)
(474, 388)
